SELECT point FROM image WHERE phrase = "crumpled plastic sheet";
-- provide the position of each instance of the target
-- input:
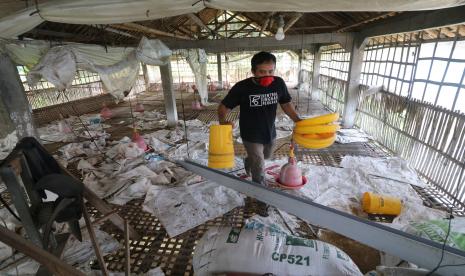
(79, 253)
(7, 144)
(351, 135)
(182, 208)
(149, 120)
(8, 221)
(390, 167)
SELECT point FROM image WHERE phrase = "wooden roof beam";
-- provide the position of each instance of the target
(226, 21)
(292, 21)
(265, 23)
(377, 17)
(147, 30)
(200, 23)
(240, 29)
(447, 32)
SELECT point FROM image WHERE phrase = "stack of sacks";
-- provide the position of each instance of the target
(317, 132)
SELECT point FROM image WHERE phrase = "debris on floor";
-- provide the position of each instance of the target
(80, 253)
(7, 144)
(342, 188)
(351, 135)
(182, 208)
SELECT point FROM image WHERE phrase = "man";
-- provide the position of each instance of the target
(258, 98)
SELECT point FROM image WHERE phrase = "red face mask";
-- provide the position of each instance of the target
(266, 81)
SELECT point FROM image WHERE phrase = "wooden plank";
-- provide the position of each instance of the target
(147, 30)
(94, 241)
(51, 262)
(292, 21)
(373, 18)
(104, 208)
(127, 248)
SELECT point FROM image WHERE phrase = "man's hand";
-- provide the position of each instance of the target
(290, 111)
(222, 112)
(228, 123)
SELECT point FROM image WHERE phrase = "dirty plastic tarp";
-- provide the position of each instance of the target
(389, 167)
(182, 208)
(60, 63)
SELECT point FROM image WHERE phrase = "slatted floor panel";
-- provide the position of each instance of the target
(175, 255)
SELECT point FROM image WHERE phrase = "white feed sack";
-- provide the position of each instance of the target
(227, 250)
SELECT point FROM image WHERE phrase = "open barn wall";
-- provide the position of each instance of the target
(418, 114)
(86, 94)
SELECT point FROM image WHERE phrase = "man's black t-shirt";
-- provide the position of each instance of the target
(257, 107)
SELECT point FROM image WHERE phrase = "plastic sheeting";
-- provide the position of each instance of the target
(120, 11)
(59, 65)
(351, 135)
(7, 144)
(197, 59)
(390, 168)
(182, 208)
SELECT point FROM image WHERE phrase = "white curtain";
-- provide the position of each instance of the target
(198, 59)
(117, 67)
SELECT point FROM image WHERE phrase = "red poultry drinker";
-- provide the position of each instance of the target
(139, 140)
(290, 175)
(106, 113)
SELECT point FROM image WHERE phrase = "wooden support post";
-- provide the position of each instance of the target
(352, 90)
(168, 94)
(104, 208)
(316, 71)
(14, 99)
(220, 71)
(127, 249)
(94, 241)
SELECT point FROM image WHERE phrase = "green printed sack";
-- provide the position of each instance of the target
(436, 230)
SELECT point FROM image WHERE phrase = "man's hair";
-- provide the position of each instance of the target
(262, 57)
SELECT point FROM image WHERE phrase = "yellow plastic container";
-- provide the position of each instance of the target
(381, 204)
(221, 148)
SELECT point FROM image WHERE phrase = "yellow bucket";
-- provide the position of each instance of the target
(221, 148)
(381, 204)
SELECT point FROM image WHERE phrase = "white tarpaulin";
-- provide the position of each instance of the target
(120, 11)
(59, 64)
(197, 59)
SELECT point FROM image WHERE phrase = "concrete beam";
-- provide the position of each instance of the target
(291, 42)
(14, 99)
(146, 77)
(316, 71)
(146, 30)
(220, 71)
(415, 21)
(168, 94)
(353, 86)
